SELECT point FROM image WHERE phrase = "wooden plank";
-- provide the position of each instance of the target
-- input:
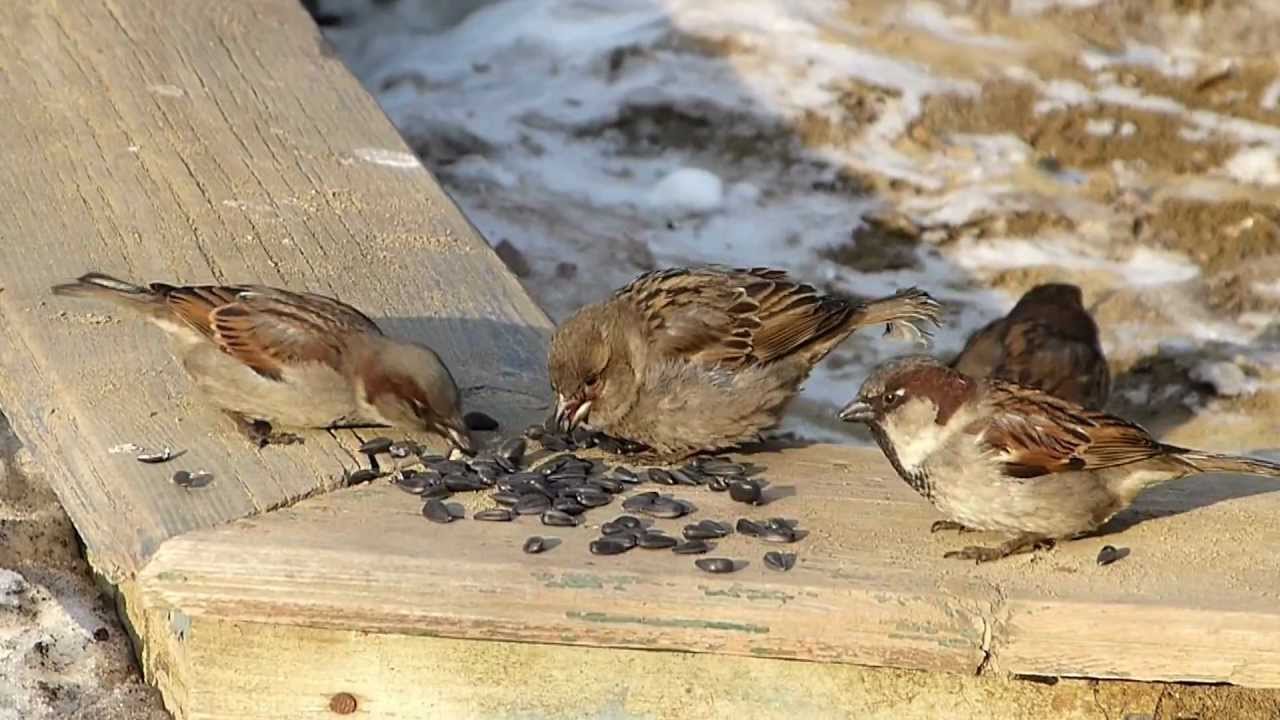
(195, 141)
(871, 587)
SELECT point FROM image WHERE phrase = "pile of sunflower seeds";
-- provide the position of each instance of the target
(560, 489)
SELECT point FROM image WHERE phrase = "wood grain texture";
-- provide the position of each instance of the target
(193, 141)
(870, 588)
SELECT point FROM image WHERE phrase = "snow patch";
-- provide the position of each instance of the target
(1256, 165)
(688, 189)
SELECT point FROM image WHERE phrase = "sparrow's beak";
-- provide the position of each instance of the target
(856, 411)
(461, 438)
(571, 413)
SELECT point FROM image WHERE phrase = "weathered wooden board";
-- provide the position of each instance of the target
(871, 586)
(196, 141)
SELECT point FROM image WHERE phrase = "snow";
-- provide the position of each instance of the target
(1227, 378)
(1256, 165)
(687, 189)
(1177, 65)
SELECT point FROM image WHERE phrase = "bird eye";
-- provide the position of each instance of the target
(892, 397)
(591, 381)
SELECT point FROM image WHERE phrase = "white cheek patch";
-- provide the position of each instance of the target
(914, 433)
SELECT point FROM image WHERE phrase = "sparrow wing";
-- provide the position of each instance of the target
(1037, 434)
(267, 328)
(1071, 369)
(733, 317)
(984, 351)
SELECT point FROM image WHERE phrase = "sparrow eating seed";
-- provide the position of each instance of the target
(1047, 341)
(694, 359)
(268, 356)
(992, 455)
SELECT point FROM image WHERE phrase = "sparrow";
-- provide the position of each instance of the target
(687, 360)
(267, 356)
(996, 456)
(1048, 341)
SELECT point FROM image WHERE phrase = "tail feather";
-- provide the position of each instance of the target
(1207, 462)
(906, 314)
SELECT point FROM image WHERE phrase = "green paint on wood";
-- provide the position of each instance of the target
(600, 617)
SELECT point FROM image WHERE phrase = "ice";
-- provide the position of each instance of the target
(687, 189)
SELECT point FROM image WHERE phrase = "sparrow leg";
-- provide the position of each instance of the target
(260, 433)
(940, 525)
(1025, 541)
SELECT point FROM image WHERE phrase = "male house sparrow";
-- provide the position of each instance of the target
(996, 456)
(686, 360)
(269, 356)
(1047, 341)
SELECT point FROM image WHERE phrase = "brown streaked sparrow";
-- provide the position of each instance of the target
(1047, 341)
(268, 356)
(686, 360)
(995, 456)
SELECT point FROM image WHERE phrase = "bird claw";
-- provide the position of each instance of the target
(261, 434)
(980, 554)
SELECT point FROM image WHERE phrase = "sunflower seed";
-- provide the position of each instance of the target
(718, 484)
(436, 511)
(532, 504)
(717, 466)
(479, 421)
(639, 500)
(666, 507)
(152, 458)
(506, 499)
(746, 491)
(623, 474)
(584, 438)
(706, 530)
(750, 528)
(535, 545)
(493, 515)
(555, 443)
(446, 467)
(534, 432)
(607, 484)
(376, 446)
(186, 479)
(781, 562)
(1109, 554)
(513, 449)
(594, 498)
(436, 492)
(661, 477)
(686, 476)
(569, 506)
(691, 547)
(656, 541)
(716, 565)
(363, 475)
(780, 522)
(464, 483)
(608, 546)
(779, 534)
(555, 518)
(414, 483)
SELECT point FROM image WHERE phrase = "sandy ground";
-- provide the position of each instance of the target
(975, 148)
(63, 652)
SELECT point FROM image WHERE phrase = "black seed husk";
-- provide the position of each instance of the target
(750, 528)
(718, 484)
(535, 545)
(532, 504)
(781, 562)
(436, 492)
(608, 546)
(1109, 554)
(555, 518)
(594, 498)
(513, 449)
(656, 541)
(716, 565)
(691, 547)
(479, 421)
(153, 458)
(493, 515)
(664, 507)
(568, 505)
(363, 475)
(662, 477)
(745, 491)
(436, 511)
(376, 446)
(402, 449)
(638, 501)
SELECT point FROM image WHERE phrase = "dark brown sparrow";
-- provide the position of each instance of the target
(269, 356)
(687, 360)
(996, 456)
(1048, 341)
